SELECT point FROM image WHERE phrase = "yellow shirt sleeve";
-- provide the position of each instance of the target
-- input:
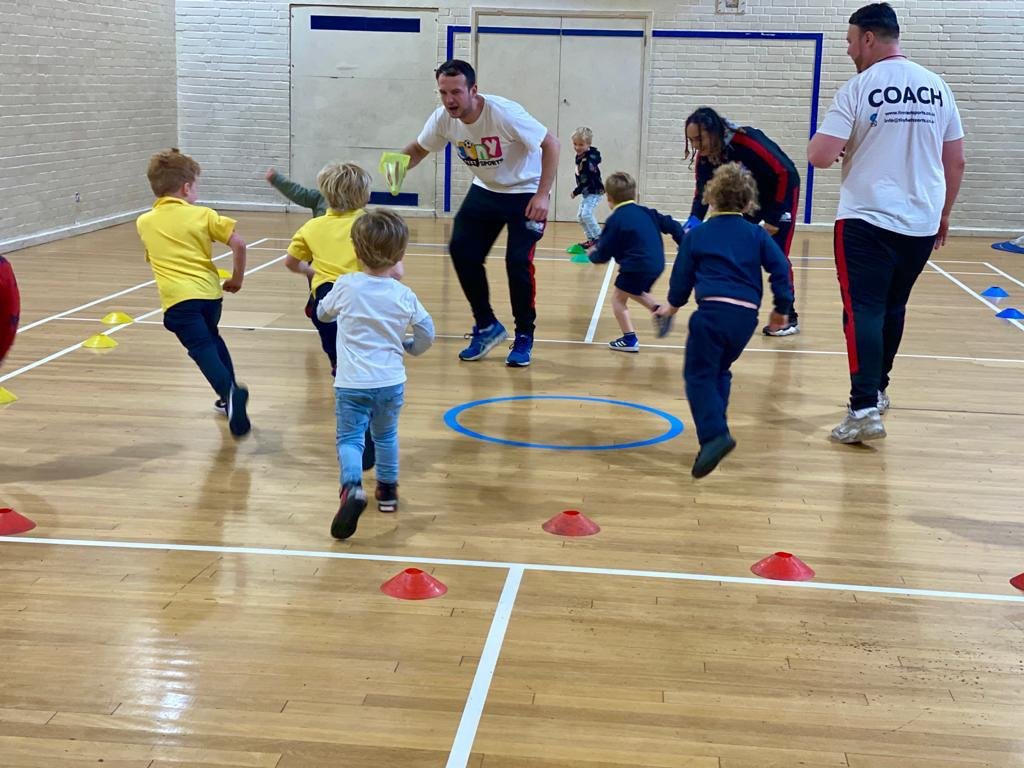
(299, 247)
(220, 227)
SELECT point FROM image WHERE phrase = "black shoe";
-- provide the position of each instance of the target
(662, 325)
(387, 496)
(711, 453)
(238, 421)
(369, 452)
(353, 502)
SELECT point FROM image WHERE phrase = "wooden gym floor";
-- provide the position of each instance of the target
(181, 603)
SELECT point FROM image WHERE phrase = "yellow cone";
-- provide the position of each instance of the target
(116, 318)
(99, 341)
(6, 396)
(223, 274)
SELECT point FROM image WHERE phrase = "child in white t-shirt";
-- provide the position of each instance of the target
(373, 310)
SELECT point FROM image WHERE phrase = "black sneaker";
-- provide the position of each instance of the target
(353, 502)
(221, 406)
(387, 496)
(238, 421)
(711, 453)
(662, 325)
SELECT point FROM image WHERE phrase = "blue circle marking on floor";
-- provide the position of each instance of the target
(675, 426)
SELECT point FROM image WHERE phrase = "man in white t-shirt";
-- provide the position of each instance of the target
(897, 128)
(514, 159)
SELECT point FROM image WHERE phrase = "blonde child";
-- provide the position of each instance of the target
(721, 262)
(632, 236)
(322, 249)
(588, 184)
(178, 236)
(373, 310)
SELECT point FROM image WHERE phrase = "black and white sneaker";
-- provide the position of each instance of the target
(221, 407)
(790, 329)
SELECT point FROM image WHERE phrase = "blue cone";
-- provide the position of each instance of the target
(995, 292)
(1011, 313)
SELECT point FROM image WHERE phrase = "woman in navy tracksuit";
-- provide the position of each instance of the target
(713, 141)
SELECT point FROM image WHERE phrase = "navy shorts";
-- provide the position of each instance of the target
(636, 282)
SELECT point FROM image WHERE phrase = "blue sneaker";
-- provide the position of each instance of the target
(625, 344)
(483, 341)
(519, 357)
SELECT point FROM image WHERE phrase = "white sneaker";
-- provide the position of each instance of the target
(883, 402)
(858, 430)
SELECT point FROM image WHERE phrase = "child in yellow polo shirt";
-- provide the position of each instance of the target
(178, 237)
(322, 249)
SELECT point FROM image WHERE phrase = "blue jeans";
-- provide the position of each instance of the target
(586, 217)
(378, 408)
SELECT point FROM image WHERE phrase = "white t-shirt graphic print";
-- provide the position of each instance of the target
(502, 148)
(895, 115)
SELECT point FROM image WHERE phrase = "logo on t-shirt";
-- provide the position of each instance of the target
(486, 153)
(873, 117)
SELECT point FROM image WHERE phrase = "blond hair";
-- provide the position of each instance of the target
(169, 170)
(380, 238)
(731, 190)
(620, 187)
(346, 187)
(583, 134)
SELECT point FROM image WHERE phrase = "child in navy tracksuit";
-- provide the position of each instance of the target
(721, 262)
(632, 235)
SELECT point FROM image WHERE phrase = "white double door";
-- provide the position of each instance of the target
(570, 72)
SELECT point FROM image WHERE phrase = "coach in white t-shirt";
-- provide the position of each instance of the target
(898, 131)
(514, 159)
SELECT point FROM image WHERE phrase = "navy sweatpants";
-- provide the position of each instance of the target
(718, 334)
(194, 322)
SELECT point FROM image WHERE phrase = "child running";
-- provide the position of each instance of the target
(373, 310)
(632, 236)
(178, 236)
(721, 261)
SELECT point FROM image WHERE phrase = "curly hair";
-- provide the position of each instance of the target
(731, 190)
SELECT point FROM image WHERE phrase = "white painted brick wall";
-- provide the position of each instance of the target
(233, 96)
(976, 46)
(87, 95)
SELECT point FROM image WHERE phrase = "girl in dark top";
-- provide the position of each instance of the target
(712, 141)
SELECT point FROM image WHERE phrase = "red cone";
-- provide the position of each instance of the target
(783, 566)
(1018, 581)
(413, 584)
(571, 523)
(11, 522)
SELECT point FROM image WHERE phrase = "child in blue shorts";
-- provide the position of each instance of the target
(632, 236)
